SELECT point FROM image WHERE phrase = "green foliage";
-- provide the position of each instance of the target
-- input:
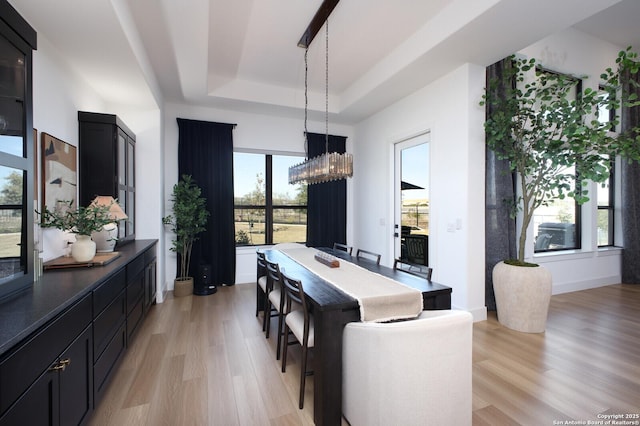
(81, 221)
(302, 194)
(540, 129)
(257, 196)
(187, 221)
(242, 238)
(12, 191)
(515, 262)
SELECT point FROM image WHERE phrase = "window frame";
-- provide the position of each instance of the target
(22, 37)
(576, 207)
(610, 207)
(269, 206)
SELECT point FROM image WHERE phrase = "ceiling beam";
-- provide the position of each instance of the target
(317, 22)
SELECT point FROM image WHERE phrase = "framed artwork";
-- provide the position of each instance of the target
(59, 171)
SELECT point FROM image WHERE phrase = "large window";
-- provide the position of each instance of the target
(267, 209)
(557, 222)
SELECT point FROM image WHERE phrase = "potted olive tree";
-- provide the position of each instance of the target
(541, 130)
(187, 221)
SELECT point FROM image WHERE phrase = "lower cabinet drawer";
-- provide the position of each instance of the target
(107, 361)
(107, 324)
(135, 318)
(29, 360)
(38, 406)
(135, 290)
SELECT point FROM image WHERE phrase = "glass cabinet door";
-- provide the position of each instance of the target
(12, 90)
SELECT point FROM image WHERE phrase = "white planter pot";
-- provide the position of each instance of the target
(84, 249)
(522, 296)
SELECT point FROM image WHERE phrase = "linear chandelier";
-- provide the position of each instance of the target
(328, 166)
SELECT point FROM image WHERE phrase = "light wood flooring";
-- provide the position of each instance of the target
(203, 360)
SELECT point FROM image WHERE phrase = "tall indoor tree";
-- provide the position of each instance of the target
(542, 124)
(541, 130)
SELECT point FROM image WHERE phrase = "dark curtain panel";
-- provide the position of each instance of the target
(205, 151)
(630, 188)
(500, 228)
(327, 202)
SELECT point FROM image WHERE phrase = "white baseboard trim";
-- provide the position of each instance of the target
(585, 285)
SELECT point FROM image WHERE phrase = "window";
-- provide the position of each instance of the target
(556, 224)
(606, 206)
(267, 209)
(606, 115)
(606, 191)
(16, 161)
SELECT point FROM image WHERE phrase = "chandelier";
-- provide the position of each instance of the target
(328, 166)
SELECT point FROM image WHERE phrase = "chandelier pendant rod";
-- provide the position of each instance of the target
(325, 167)
(326, 89)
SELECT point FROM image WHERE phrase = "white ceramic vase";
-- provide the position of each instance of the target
(522, 296)
(84, 249)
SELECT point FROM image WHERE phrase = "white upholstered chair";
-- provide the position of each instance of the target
(415, 372)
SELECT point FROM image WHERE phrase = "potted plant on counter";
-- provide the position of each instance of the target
(187, 221)
(81, 221)
(542, 130)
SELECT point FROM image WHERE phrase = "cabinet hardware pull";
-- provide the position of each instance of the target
(60, 365)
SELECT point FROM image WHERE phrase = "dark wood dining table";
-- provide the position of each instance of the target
(332, 309)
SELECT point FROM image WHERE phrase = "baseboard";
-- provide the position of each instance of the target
(479, 314)
(585, 285)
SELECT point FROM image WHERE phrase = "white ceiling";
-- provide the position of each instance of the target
(243, 54)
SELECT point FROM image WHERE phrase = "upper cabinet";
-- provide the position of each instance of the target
(106, 151)
(17, 41)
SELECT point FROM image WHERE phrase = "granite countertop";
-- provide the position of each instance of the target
(30, 309)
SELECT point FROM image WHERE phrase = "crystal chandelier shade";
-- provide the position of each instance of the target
(328, 166)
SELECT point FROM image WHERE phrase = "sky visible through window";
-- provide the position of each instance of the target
(415, 170)
(248, 165)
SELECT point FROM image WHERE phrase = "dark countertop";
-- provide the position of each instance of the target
(25, 312)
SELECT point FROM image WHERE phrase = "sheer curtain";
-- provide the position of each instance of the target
(327, 202)
(500, 228)
(205, 151)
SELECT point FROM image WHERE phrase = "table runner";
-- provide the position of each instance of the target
(380, 298)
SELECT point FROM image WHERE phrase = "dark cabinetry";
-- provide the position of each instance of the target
(17, 40)
(106, 152)
(58, 373)
(149, 278)
(108, 329)
(48, 378)
(141, 288)
(135, 293)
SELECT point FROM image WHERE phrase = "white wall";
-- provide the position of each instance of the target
(253, 131)
(456, 176)
(448, 108)
(58, 94)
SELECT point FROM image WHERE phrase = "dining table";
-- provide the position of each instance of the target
(332, 308)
